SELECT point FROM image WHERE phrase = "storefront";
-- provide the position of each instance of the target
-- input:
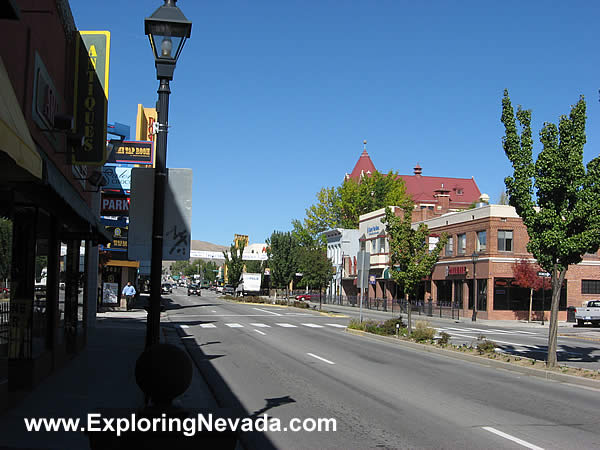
(48, 199)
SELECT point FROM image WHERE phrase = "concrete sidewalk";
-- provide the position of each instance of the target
(382, 315)
(101, 376)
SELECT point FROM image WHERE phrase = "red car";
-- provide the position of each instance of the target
(308, 297)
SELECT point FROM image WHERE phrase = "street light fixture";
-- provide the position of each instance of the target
(167, 30)
(474, 258)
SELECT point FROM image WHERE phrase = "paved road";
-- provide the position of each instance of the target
(577, 346)
(289, 363)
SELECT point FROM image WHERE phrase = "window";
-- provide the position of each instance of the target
(462, 244)
(363, 246)
(450, 246)
(590, 286)
(381, 245)
(481, 241)
(505, 240)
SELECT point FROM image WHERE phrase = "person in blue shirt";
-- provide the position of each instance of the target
(129, 293)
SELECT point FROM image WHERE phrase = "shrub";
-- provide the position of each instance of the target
(298, 304)
(485, 346)
(389, 326)
(423, 332)
(444, 339)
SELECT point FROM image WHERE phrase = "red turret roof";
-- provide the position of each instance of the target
(364, 165)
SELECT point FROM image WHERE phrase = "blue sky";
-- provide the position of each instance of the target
(271, 100)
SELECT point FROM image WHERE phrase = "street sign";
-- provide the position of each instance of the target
(543, 274)
(364, 265)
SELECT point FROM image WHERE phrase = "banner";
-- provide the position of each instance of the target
(91, 96)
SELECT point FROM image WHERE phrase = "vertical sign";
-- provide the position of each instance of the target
(91, 96)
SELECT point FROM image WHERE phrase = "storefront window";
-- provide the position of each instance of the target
(481, 294)
(444, 291)
(458, 294)
(39, 324)
(508, 296)
(505, 240)
(481, 241)
(62, 280)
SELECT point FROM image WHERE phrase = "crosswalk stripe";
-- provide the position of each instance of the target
(312, 325)
(234, 325)
(286, 325)
(336, 325)
(208, 325)
(260, 325)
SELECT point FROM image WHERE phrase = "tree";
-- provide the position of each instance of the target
(282, 254)
(526, 276)
(562, 219)
(411, 258)
(5, 248)
(254, 266)
(179, 267)
(316, 268)
(234, 263)
(503, 198)
(342, 206)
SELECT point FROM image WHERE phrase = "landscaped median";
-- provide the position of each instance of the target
(255, 300)
(483, 352)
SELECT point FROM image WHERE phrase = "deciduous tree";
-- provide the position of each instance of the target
(557, 196)
(234, 263)
(411, 257)
(525, 274)
(283, 259)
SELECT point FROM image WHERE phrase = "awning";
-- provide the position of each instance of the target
(15, 139)
(386, 274)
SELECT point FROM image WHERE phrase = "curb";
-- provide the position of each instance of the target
(540, 373)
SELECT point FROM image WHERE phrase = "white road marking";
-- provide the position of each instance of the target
(322, 359)
(208, 325)
(184, 326)
(264, 310)
(234, 325)
(312, 325)
(260, 332)
(213, 310)
(286, 325)
(512, 438)
(336, 325)
(260, 325)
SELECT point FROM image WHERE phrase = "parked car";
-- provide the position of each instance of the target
(308, 297)
(590, 312)
(219, 289)
(228, 290)
(166, 288)
(194, 289)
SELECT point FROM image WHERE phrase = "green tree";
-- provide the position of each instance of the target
(411, 259)
(283, 255)
(254, 266)
(562, 218)
(179, 267)
(234, 263)
(316, 268)
(5, 248)
(503, 198)
(342, 206)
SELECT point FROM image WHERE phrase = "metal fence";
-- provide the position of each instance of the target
(399, 306)
(4, 321)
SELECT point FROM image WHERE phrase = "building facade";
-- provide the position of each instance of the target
(46, 192)
(498, 237)
(342, 247)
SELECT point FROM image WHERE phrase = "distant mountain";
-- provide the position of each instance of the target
(207, 246)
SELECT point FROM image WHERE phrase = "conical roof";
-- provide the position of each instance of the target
(364, 165)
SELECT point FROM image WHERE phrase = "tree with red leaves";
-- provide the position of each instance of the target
(526, 276)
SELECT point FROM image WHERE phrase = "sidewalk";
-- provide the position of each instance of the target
(381, 315)
(101, 376)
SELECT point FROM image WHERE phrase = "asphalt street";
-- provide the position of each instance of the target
(291, 363)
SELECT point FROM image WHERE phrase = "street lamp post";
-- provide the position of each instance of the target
(474, 258)
(167, 30)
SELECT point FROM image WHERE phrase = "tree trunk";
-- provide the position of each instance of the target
(409, 311)
(320, 301)
(557, 281)
(530, 304)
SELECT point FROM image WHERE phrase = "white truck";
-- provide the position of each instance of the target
(249, 284)
(589, 312)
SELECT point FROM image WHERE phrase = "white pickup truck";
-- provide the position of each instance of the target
(589, 312)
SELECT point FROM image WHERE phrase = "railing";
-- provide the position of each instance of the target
(4, 321)
(397, 306)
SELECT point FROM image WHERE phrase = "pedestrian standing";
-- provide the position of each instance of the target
(129, 293)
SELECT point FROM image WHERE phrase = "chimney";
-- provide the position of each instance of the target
(417, 170)
(443, 198)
